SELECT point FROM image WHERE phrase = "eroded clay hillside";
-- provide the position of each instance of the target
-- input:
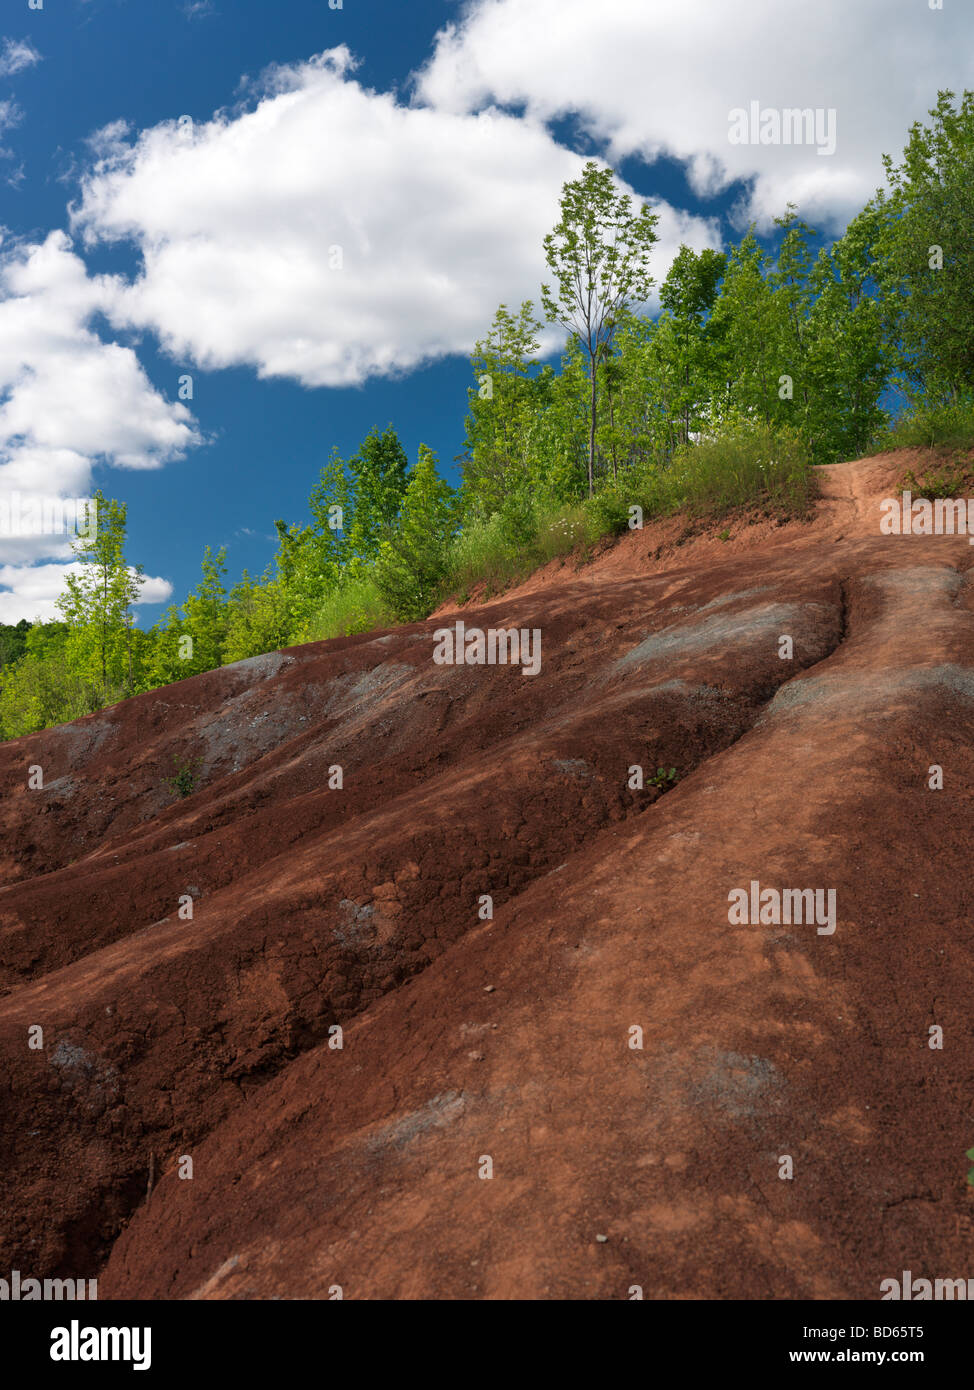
(631, 1067)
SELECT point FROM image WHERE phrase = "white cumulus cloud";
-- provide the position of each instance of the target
(68, 400)
(31, 591)
(332, 233)
(650, 77)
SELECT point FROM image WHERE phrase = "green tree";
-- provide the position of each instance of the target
(352, 505)
(98, 598)
(413, 557)
(501, 409)
(790, 279)
(258, 619)
(746, 330)
(379, 472)
(687, 297)
(13, 642)
(44, 688)
(847, 362)
(556, 432)
(644, 360)
(331, 505)
(925, 252)
(193, 638)
(599, 255)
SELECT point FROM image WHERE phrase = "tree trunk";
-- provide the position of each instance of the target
(591, 434)
(104, 633)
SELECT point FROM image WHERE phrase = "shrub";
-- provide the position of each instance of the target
(608, 510)
(744, 465)
(945, 481)
(355, 606)
(183, 779)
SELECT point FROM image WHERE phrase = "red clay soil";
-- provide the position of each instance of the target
(490, 1126)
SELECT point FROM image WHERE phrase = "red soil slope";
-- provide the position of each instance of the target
(506, 1045)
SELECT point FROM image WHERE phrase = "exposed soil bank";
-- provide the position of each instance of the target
(507, 1045)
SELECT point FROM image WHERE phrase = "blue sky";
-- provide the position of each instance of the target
(430, 145)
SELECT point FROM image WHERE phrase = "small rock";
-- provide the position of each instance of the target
(488, 989)
(602, 1240)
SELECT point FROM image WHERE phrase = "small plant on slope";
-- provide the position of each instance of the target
(183, 779)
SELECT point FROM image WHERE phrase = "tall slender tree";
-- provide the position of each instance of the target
(599, 256)
(99, 596)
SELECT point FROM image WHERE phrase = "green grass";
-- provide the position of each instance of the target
(741, 468)
(491, 555)
(485, 553)
(944, 429)
(745, 467)
(355, 607)
(932, 425)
